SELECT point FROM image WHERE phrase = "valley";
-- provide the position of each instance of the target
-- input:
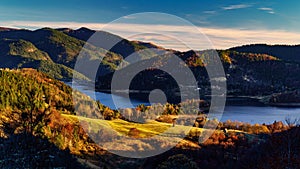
(45, 122)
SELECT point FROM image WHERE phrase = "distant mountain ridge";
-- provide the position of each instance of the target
(62, 46)
(109, 41)
(53, 46)
(284, 52)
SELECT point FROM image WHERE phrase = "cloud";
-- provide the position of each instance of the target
(268, 10)
(265, 9)
(209, 12)
(129, 17)
(225, 38)
(239, 6)
(176, 36)
(271, 12)
(40, 24)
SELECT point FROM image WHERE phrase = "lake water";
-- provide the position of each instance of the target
(254, 114)
(251, 114)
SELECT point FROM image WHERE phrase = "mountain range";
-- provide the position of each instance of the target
(41, 127)
(251, 70)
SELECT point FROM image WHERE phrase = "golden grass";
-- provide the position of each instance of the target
(148, 129)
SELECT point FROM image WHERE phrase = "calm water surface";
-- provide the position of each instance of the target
(251, 114)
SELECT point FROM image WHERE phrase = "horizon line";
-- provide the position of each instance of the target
(220, 38)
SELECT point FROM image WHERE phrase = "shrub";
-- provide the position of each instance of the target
(178, 161)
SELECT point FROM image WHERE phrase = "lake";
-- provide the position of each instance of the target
(250, 114)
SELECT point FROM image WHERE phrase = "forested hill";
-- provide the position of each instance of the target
(37, 129)
(250, 70)
(54, 51)
(284, 52)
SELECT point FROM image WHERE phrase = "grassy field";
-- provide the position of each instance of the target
(148, 129)
(117, 135)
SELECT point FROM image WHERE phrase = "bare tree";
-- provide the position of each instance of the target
(292, 122)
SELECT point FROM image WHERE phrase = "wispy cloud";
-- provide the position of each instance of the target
(175, 36)
(265, 9)
(210, 12)
(271, 12)
(268, 10)
(129, 17)
(239, 6)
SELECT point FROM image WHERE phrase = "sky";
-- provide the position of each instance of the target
(225, 23)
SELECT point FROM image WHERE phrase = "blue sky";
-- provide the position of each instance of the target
(242, 16)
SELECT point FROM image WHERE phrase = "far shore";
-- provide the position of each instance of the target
(231, 100)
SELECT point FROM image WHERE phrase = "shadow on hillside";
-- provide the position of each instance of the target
(279, 150)
(27, 151)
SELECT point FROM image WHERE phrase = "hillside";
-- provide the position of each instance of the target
(57, 48)
(122, 46)
(60, 47)
(284, 52)
(39, 129)
(23, 54)
(247, 74)
(33, 130)
(38, 126)
(259, 74)
(21, 48)
(28, 100)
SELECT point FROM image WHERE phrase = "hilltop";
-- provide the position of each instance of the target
(284, 52)
(54, 51)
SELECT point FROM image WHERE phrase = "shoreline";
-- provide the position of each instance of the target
(231, 100)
